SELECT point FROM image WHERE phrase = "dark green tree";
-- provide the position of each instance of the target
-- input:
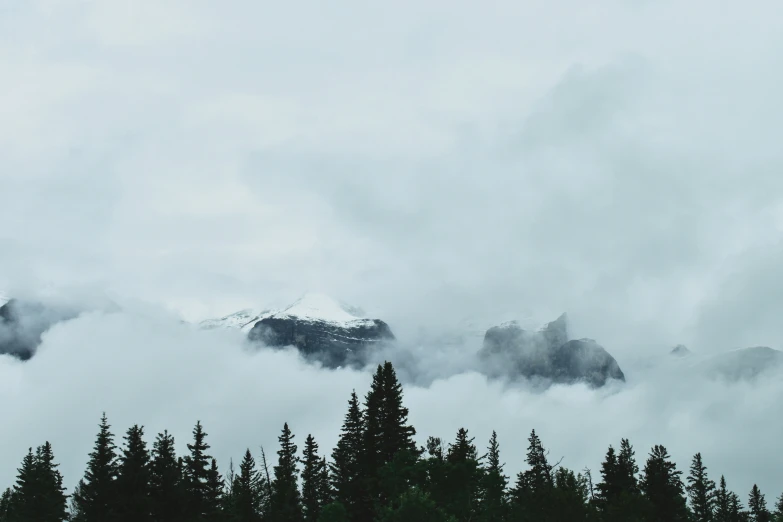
(701, 491)
(96, 498)
(166, 481)
(213, 494)
(722, 502)
(779, 509)
(24, 503)
(662, 486)
(414, 506)
(133, 481)
(52, 500)
(247, 491)
(333, 512)
(494, 506)
(757, 505)
(533, 492)
(197, 476)
(313, 484)
(462, 480)
(347, 471)
(286, 504)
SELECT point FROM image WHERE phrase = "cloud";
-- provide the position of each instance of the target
(145, 366)
(437, 164)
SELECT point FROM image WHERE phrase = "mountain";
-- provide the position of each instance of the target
(546, 355)
(743, 363)
(22, 323)
(320, 327)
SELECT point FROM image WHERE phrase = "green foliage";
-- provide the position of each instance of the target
(494, 506)
(348, 476)
(133, 481)
(315, 486)
(333, 512)
(197, 476)
(414, 506)
(247, 492)
(757, 505)
(96, 498)
(663, 487)
(286, 502)
(167, 486)
(701, 491)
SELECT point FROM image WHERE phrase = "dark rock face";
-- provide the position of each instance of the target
(22, 323)
(680, 351)
(333, 344)
(546, 355)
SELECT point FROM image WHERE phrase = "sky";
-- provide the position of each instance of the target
(436, 163)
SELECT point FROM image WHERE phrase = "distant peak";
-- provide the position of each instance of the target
(314, 305)
(680, 351)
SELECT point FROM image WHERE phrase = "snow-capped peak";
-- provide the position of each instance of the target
(310, 307)
(4, 298)
(320, 307)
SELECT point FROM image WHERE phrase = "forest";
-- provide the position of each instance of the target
(376, 472)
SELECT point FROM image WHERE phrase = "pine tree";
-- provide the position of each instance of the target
(570, 495)
(247, 493)
(701, 491)
(532, 493)
(166, 484)
(197, 475)
(347, 472)
(96, 498)
(627, 470)
(722, 502)
(736, 513)
(462, 481)
(663, 487)
(779, 509)
(133, 481)
(26, 491)
(493, 507)
(6, 505)
(286, 503)
(52, 502)
(213, 494)
(313, 484)
(757, 505)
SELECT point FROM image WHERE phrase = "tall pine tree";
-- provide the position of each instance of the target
(166, 482)
(494, 483)
(197, 476)
(757, 505)
(701, 491)
(96, 498)
(348, 475)
(213, 494)
(663, 487)
(247, 491)
(52, 500)
(133, 481)
(313, 495)
(286, 505)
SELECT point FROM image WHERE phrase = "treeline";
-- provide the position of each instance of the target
(376, 473)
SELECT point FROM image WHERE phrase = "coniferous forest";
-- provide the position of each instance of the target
(375, 473)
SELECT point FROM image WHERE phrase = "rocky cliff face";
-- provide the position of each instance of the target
(321, 328)
(546, 355)
(22, 323)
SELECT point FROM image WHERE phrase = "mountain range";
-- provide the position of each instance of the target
(335, 335)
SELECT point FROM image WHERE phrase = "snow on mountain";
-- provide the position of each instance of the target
(311, 307)
(3, 298)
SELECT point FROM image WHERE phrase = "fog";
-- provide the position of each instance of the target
(442, 165)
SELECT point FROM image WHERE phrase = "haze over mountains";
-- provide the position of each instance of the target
(334, 334)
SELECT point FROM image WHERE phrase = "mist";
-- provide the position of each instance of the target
(445, 167)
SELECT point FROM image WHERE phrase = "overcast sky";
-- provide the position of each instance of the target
(431, 162)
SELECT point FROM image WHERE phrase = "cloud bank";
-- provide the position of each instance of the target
(439, 164)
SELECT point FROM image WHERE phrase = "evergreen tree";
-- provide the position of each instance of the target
(133, 481)
(462, 481)
(779, 509)
(96, 498)
(701, 491)
(722, 502)
(166, 484)
(247, 492)
(347, 472)
(609, 487)
(197, 475)
(26, 491)
(569, 499)
(627, 470)
(736, 513)
(663, 487)
(333, 512)
(286, 503)
(493, 507)
(532, 493)
(213, 494)
(414, 506)
(6, 505)
(757, 505)
(313, 484)
(52, 502)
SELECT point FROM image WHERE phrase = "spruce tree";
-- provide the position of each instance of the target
(96, 498)
(196, 475)
(609, 487)
(627, 470)
(213, 494)
(286, 503)
(757, 506)
(463, 478)
(313, 484)
(52, 500)
(779, 509)
(26, 491)
(166, 483)
(722, 502)
(133, 481)
(6, 505)
(663, 487)
(247, 492)
(532, 493)
(347, 471)
(736, 513)
(701, 491)
(493, 506)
